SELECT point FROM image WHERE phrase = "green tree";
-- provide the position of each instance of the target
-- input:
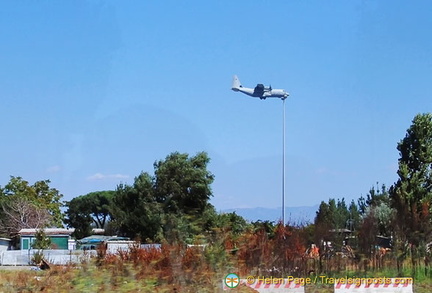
(29, 206)
(354, 216)
(324, 222)
(87, 211)
(342, 215)
(367, 234)
(42, 241)
(135, 210)
(331, 220)
(334, 215)
(384, 216)
(376, 219)
(192, 228)
(324, 215)
(182, 188)
(411, 195)
(173, 203)
(78, 217)
(231, 221)
(183, 183)
(374, 198)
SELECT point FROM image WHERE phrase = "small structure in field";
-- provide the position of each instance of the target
(5, 244)
(111, 243)
(59, 237)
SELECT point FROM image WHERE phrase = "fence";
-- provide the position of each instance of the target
(57, 256)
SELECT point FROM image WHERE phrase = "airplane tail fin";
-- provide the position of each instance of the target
(236, 83)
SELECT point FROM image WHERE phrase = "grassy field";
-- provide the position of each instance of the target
(90, 278)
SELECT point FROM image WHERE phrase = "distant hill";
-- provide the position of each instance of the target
(293, 215)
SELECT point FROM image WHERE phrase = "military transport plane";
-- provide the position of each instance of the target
(260, 91)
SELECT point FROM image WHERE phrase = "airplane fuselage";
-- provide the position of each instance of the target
(259, 91)
(274, 93)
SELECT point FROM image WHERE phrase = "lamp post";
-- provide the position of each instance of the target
(283, 159)
(283, 162)
(262, 92)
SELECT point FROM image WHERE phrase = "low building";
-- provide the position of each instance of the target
(5, 244)
(59, 237)
(100, 241)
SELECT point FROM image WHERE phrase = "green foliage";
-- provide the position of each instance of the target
(335, 216)
(29, 206)
(377, 215)
(90, 210)
(374, 198)
(135, 210)
(342, 215)
(268, 227)
(332, 221)
(182, 184)
(37, 258)
(383, 215)
(231, 222)
(411, 195)
(172, 205)
(324, 215)
(42, 241)
(354, 216)
(324, 222)
(39, 194)
(78, 217)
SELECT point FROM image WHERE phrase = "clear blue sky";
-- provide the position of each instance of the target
(93, 92)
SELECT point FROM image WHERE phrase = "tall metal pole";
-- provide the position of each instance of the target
(283, 164)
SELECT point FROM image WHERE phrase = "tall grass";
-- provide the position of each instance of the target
(178, 268)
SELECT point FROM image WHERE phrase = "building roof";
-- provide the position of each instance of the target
(101, 239)
(48, 231)
(98, 231)
(340, 230)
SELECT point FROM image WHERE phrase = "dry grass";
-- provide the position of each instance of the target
(175, 268)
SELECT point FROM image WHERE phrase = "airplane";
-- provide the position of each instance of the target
(260, 91)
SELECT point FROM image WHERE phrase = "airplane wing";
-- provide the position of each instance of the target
(259, 90)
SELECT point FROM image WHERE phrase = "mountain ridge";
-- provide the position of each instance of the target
(293, 215)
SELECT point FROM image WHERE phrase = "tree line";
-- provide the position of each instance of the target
(400, 213)
(173, 205)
